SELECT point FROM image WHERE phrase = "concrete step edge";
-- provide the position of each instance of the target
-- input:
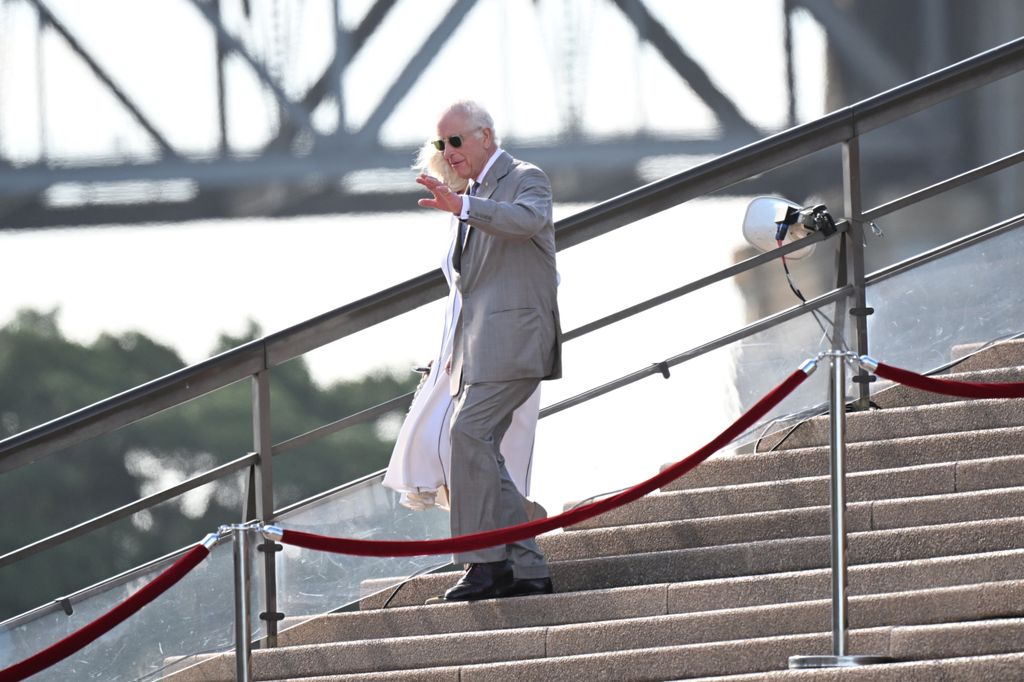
(944, 605)
(761, 655)
(735, 469)
(972, 505)
(990, 667)
(756, 558)
(973, 668)
(937, 418)
(947, 606)
(560, 610)
(973, 478)
(693, 596)
(671, 663)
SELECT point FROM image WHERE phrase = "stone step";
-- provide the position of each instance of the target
(903, 422)
(492, 614)
(999, 637)
(1007, 353)
(745, 499)
(943, 605)
(887, 395)
(996, 668)
(732, 469)
(939, 605)
(649, 600)
(750, 558)
(785, 523)
(891, 576)
(911, 481)
(632, 602)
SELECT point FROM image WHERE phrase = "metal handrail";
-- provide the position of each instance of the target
(946, 249)
(127, 510)
(721, 172)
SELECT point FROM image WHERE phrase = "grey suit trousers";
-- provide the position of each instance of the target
(483, 496)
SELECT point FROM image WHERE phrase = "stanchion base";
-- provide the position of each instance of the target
(800, 662)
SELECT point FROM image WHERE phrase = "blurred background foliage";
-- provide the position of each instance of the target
(45, 375)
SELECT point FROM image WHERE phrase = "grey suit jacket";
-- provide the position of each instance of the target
(509, 326)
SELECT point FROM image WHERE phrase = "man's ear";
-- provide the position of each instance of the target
(488, 138)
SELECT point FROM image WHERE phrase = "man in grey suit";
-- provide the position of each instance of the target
(507, 339)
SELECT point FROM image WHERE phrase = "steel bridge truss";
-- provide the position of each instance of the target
(307, 169)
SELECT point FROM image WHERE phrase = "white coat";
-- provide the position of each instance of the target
(420, 463)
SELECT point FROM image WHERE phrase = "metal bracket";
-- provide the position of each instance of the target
(276, 616)
(65, 603)
(862, 312)
(270, 546)
(663, 368)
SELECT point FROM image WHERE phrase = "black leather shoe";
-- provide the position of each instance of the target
(481, 581)
(524, 587)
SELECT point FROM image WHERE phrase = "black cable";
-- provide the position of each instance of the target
(817, 314)
(417, 574)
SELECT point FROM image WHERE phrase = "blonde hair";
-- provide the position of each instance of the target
(430, 161)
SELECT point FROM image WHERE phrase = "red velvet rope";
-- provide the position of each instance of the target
(108, 621)
(502, 536)
(962, 389)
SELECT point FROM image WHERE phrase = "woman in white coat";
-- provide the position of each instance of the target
(419, 466)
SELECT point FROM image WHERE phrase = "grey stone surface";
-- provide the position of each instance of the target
(572, 607)
(888, 492)
(998, 668)
(703, 532)
(675, 662)
(982, 474)
(948, 640)
(728, 470)
(895, 576)
(441, 674)
(973, 505)
(938, 605)
(398, 653)
(1008, 353)
(759, 557)
(809, 491)
(977, 504)
(713, 628)
(907, 421)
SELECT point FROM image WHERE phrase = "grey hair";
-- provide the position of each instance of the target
(475, 113)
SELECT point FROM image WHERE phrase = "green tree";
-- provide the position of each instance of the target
(44, 375)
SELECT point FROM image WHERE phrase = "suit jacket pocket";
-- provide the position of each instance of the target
(518, 345)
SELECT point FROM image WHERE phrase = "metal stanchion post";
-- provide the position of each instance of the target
(840, 620)
(243, 620)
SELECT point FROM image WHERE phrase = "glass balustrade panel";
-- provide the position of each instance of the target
(312, 582)
(193, 618)
(937, 312)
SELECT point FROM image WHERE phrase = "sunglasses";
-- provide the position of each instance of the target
(455, 141)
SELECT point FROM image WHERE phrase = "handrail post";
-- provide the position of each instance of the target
(243, 617)
(262, 483)
(837, 465)
(837, 446)
(853, 204)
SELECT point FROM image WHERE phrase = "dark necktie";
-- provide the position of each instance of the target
(463, 228)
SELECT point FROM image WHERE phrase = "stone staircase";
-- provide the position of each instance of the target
(725, 574)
